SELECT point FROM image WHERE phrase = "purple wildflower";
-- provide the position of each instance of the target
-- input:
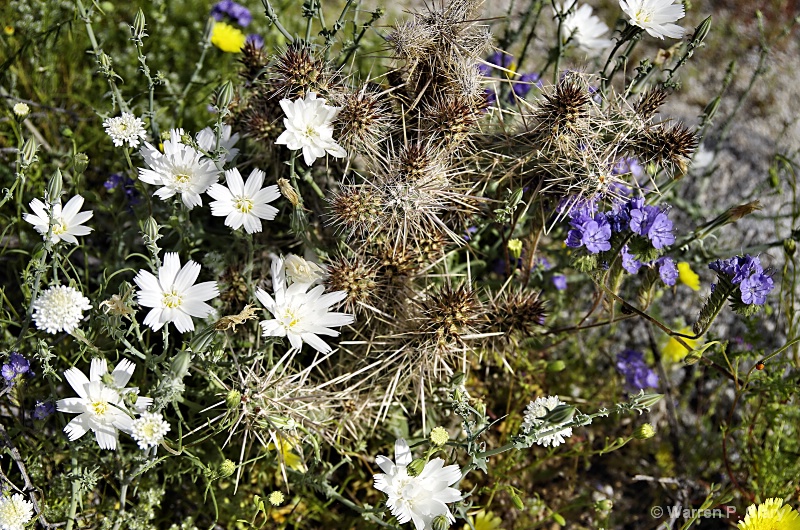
(651, 222)
(230, 9)
(756, 288)
(596, 96)
(560, 282)
(469, 232)
(500, 59)
(628, 165)
(491, 96)
(638, 375)
(127, 184)
(619, 218)
(522, 86)
(596, 235)
(43, 410)
(17, 365)
(667, 270)
(8, 372)
(485, 69)
(255, 39)
(660, 231)
(629, 262)
(746, 272)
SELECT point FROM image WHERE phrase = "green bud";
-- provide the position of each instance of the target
(457, 379)
(560, 414)
(557, 517)
(54, 187)
(693, 357)
(202, 339)
(518, 504)
(105, 61)
(137, 30)
(180, 364)
(28, 153)
(150, 229)
(226, 468)
(233, 399)
(556, 366)
(646, 401)
(702, 31)
(79, 163)
(515, 248)
(225, 95)
(282, 423)
(416, 466)
(711, 108)
(789, 246)
(603, 505)
(644, 431)
(440, 522)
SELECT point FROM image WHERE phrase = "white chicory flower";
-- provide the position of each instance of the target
(532, 420)
(125, 129)
(309, 127)
(207, 140)
(67, 221)
(149, 429)
(59, 308)
(15, 512)
(586, 30)
(244, 204)
(656, 17)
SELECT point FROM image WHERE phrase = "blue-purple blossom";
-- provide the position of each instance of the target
(230, 9)
(652, 223)
(638, 375)
(619, 218)
(560, 282)
(522, 86)
(629, 262)
(8, 372)
(17, 365)
(746, 272)
(255, 40)
(43, 409)
(628, 165)
(589, 229)
(667, 270)
(500, 59)
(126, 183)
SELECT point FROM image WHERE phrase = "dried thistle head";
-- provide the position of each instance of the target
(358, 277)
(254, 62)
(412, 40)
(260, 119)
(298, 71)
(453, 118)
(517, 315)
(449, 314)
(355, 209)
(669, 146)
(364, 119)
(650, 102)
(564, 107)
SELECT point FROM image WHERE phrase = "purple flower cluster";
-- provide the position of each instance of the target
(126, 183)
(638, 376)
(17, 365)
(746, 272)
(521, 86)
(233, 11)
(647, 221)
(43, 410)
(590, 229)
(666, 266)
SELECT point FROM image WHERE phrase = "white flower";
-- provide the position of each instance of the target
(21, 109)
(207, 140)
(655, 16)
(126, 128)
(59, 308)
(100, 402)
(244, 204)
(300, 270)
(180, 169)
(67, 221)
(532, 420)
(173, 295)
(15, 512)
(420, 498)
(587, 30)
(308, 127)
(149, 429)
(299, 315)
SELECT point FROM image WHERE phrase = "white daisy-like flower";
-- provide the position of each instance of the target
(299, 315)
(59, 308)
(15, 512)
(532, 420)
(125, 129)
(586, 30)
(309, 127)
(656, 17)
(100, 404)
(173, 295)
(207, 140)
(149, 429)
(300, 270)
(180, 169)
(244, 203)
(21, 109)
(417, 498)
(67, 221)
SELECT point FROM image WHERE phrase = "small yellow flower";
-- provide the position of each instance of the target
(770, 515)
(484, 520)
(675, 351)
(687, 276)
(289, 458)
(439, 436)
(9, 30)
(227, 38)
(276, 498)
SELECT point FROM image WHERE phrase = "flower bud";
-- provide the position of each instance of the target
(603, 505)
(416, 466)
(711, 108)
(516, 500)
(150, 229)
(276, 498)
(137, 30)
(515, 248)
(644, 431)
(701, 32)
(233, 399)
(21, 111)
(556, 366)
(180, 364)
(225, 95)
(693, 357)
(54, 187)
(28, 153)
(226, 468)
(439, 436)
(105, 61)
(646, 401)
(789, 246)
(288, 191)
(440, 522)
(80, 162)
(560, 414)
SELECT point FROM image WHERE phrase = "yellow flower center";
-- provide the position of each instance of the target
(182, 178)
(59, 227)
(644, 16)
(172, 299)
(99, 407)
(243, 204)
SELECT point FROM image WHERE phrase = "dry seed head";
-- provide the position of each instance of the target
(649, 103)
(364, 119)
(298, 71)
(671, 147)
(517, 315)
(447, 314)
(454, 118)
(355, 276)
(564, 107)
(355, 209)
(261, 119)
(254, 62)
(412, 41)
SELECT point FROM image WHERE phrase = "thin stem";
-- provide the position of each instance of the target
(273, 18)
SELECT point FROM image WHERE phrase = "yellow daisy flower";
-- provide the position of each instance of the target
(674, 350)
(227, 38)
(687, 276)
(484, 520)
(770, 515)
(289, 457)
